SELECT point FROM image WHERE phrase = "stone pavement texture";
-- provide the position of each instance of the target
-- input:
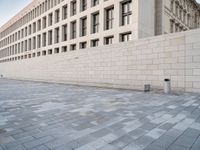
(41, 116)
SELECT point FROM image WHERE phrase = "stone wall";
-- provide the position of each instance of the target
(124, 65)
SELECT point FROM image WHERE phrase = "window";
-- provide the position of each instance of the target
(126, 37)
(44, 22)
(73, 47)
(34, 42)
(83, 45)
(108, 40)
(50, 40)
(172, 6)
(57, 15)
(38, 41)
(64, 32)
(38, 54)
(95, 2)
(83, 25)
(95, 43)
(126, 12)
(50, 19)
(64, 12)
(95, 22)
(56, 50)
(29, 29)
(109, 18)
(171, 26)
(83, 4)
(44, 39)
(73, 30)
(73, 8)
(176, 27)
(39, 25)
(50, 51)
(34, 27)
(64, 49)
(44, 53)
(29, 44)
(56, 35)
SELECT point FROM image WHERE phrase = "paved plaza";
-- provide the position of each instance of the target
(41, 116)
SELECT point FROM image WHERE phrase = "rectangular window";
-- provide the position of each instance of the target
(39, 25)
(50, 19)
(56, 50)
(95, 43)
(50, 39)
(44, 22)
(30, 29)
(73, 47)
(64, 49)
(83, 25)
(38, 54)
(56, 35)
(73, 8)
(95, 22)
(50, 52)
(44, 53)
(94, 2)
(171, 26)
(38, 41)
(64, 32)
(44, 35)
(57, 15)
(29, 44)
(73, 30)
(109, 18)
(34, 42)
(126, 12)
(83, 4)
(126, 37)
(83, 45)
(108, 40)
(64, 12)
(34, 27)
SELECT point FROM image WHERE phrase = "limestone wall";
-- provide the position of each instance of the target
(124, 65)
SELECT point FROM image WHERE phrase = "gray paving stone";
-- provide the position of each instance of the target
(164, 141)
(66, 117)
(154, 147)
(41, 147)
(38, 142)
(122, 141)
(196, 145)
(177, 147)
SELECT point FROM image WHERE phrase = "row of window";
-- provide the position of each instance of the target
(183, 14)
(82, 45)
(44, 7)
(37, 11)
(126, 13)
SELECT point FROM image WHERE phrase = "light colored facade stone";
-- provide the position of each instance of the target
(128, 65)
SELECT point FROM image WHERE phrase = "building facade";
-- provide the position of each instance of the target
(176, 16)
(47, 27)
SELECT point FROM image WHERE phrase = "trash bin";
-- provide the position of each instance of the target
(167, 86)
(147, 88)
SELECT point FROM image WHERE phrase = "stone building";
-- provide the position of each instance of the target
(176, 16)
(48, 27)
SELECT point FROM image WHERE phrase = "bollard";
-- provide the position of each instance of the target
(167, 86)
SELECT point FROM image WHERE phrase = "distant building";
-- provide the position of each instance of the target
(176, 16)
(46, 27)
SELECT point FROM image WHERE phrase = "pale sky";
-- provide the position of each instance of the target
(8, 8)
